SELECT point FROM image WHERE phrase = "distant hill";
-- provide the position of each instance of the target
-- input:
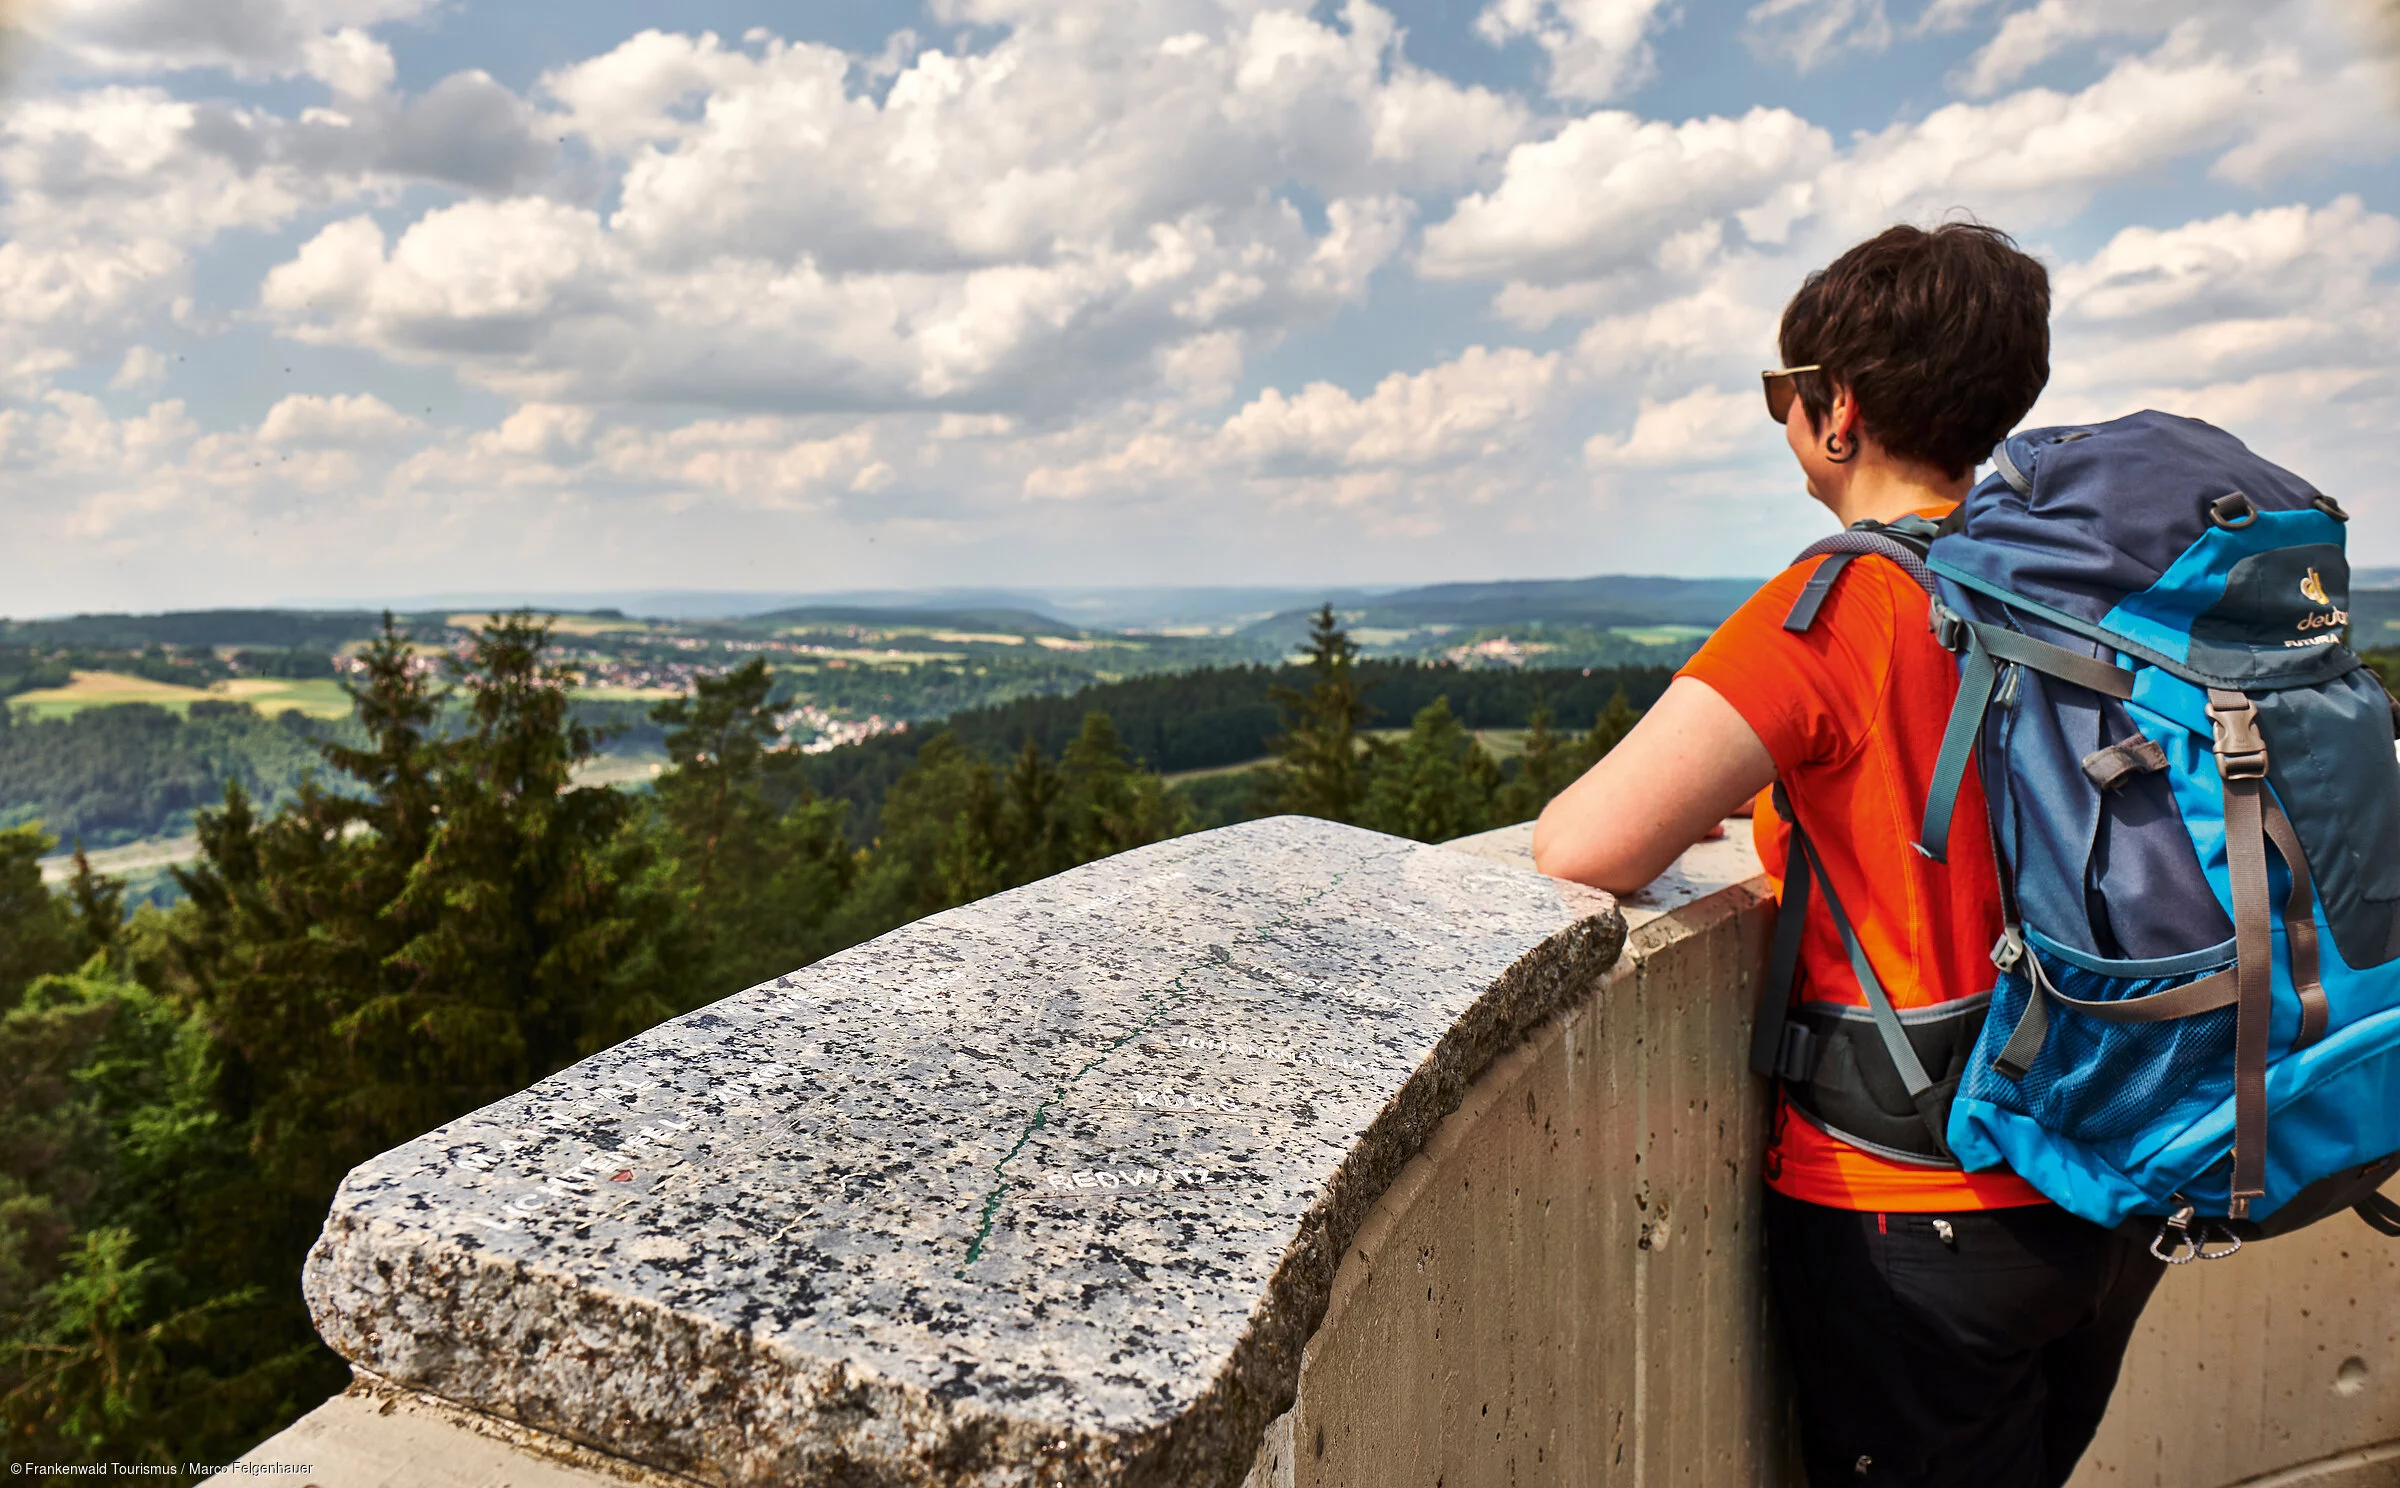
(284, 630)
(1592, 604)
(1108, 607)
(1008, 621)
(1610, 599)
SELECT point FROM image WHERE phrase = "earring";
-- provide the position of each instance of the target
(1836, 452)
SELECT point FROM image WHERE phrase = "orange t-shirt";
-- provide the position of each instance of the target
(1852, 712)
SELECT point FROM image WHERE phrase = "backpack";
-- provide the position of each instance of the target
(2194, 1027)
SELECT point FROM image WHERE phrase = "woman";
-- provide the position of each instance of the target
(1948, 1327)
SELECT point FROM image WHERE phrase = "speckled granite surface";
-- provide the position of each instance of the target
(1047, 1189)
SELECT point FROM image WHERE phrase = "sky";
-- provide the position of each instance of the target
(374, 297)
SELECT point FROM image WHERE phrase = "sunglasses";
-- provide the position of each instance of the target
(1783, 385)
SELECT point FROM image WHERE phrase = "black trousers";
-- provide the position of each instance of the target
(1979, 1358)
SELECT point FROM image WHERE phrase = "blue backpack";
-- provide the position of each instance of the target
(2194, 1031)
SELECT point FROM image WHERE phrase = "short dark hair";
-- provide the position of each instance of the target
(1943, 337)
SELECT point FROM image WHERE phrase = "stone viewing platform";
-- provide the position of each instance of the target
(1283, 1154)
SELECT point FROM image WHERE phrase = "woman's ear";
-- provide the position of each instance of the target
(1842, 417)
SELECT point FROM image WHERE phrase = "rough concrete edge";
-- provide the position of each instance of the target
(1278, 1462)
(2319, 1471)
(1214, 1440)
(390, 1396)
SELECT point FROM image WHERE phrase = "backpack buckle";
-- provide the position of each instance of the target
(2183, 1237)
(2174, 1233)
(2241, 750)
(1948, 626)
(2008, 950)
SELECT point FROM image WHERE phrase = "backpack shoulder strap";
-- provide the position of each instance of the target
(1901, 542)
(1770, 1054)
(1778, 1046)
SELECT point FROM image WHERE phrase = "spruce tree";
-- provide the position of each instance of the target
(397, 703)
(1109, 804)
(1550, 763)
(759, 863)
(1030, 839)
(1436, 784)
(36, 937)
(1544, 767)
(936, 843)
(1608, 730)
(95, 906)
(1319, 770)
(542, 920)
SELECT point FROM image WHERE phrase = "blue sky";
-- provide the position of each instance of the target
(374, 297)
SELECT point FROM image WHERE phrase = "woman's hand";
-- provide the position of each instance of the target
(1686, 766)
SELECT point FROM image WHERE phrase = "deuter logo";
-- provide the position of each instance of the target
(2313, 588)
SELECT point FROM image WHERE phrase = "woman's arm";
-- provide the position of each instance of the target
(1684, 768)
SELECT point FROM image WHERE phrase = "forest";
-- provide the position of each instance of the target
(431, 915)
(110, 775)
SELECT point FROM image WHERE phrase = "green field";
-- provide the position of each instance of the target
(625, 694)
(1662, 635)
(620, 769)
(315, 697)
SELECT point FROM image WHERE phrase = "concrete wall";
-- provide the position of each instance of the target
(2285, 1355)
(1564, 1288)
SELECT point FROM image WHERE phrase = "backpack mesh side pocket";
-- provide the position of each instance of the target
(2097, 1081)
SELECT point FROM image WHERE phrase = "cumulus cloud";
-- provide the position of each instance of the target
(1081, 126)
(1094, 205)
(2037, 156)
(108, 193)
(112, 190)
(249, 38)
(1462, 409)
(1598, 49)
(1480, 406)
(2230, 299)
(1613, 209)
(466, 131)
(142, 367)
(1699, 428)
(1612, 190)
(342, 421)
(540, 299)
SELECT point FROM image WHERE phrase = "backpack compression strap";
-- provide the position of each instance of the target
(1987, 646)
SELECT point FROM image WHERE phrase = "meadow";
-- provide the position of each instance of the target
(312, 697)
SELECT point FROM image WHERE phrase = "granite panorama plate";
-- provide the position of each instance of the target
(1045, 1189)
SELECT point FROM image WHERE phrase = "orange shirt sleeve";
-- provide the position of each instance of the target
(1810, 697)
